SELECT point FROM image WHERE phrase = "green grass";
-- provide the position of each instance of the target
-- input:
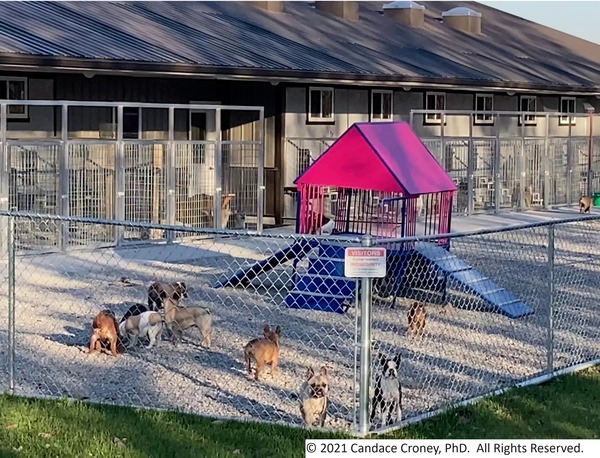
(568, 407)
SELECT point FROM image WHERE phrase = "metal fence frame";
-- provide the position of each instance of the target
(524, 145)
(63, 147)
(363, 332)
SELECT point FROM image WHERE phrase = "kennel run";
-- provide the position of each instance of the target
(186, 164)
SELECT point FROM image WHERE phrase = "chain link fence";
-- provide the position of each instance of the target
(501, 308)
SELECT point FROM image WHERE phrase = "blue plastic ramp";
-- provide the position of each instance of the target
(242, 277)
(499, 299)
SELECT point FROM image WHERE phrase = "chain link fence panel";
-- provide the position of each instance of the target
(466, 315)
(58, 295)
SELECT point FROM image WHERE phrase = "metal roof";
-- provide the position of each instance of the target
(240, 38)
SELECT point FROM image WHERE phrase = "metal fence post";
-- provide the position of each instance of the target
(366, 297)
(547, 166)
(218, 201)
(171, 203)
(550, 343)
(470, 169)
(569, 167)
(119, 178)
(63, 176)
(497, 168)
(4, 177)
(523, 170)
(260, 208)
(11, 303)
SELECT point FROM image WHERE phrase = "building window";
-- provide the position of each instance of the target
(320, 104)
(132, 125)
(484, 105)
(567, 105)
(528, 103)
(435, 101)
(14, 88)
(381, 105)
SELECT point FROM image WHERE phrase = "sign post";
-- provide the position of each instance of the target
(366, 262)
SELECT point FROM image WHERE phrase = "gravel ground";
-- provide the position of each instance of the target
(463, 353)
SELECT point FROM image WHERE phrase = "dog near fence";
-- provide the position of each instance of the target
(436, 335)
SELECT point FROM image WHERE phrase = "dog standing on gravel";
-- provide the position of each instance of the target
(147, 324)
(105, 332)
(135, 309)
(314, 397)
(388, 391)
(585, 204)
(157, 291)
(417, 318)
(263, 351)
(179, 319)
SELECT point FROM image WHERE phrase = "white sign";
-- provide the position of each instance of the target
(365, 262)
(382, 448)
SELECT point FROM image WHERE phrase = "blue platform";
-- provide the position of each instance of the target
(497, 298)
(324, 286)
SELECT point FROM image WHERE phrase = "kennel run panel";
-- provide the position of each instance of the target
(145, 187)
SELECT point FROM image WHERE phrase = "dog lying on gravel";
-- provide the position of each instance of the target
(105, 332)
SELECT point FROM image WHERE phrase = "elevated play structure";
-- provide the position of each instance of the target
(378, 179)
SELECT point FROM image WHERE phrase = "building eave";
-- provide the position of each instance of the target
(51, 64)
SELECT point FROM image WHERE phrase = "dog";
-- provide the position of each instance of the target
(388, 391)
(314, 397)
(135, 309)
(328, 225)
(156, 290)
(585, 204)
(179, 319)
(147, 323)
(105, 332)
(263, 351)
(417, 317)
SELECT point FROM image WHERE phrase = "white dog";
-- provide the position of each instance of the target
(145, 324)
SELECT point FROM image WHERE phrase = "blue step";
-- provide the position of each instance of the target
(326, 266)
(498, 299)
(313, 301)
(333, 251)
(337, 286)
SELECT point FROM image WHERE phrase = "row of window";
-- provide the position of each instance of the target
(321, 103)
(320, 107)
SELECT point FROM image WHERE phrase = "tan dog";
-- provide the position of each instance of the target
(105, 331)
(417, 317)
(313, 397)
(179, 319)
(585, 204)
(263, 351)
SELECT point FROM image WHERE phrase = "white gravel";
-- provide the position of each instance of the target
(464, 352)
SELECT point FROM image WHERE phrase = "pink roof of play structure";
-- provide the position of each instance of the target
(377, 156)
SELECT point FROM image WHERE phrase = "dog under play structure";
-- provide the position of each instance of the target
(378, 179)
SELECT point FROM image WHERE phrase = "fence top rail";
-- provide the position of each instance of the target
(541, 114)
(102, 141)
(479, 232)
(91, 104)
(282, 236)
(186, 229)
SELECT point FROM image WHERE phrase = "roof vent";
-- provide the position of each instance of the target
(275, 6)
(406, 13)
(463, 18)
(344, 10)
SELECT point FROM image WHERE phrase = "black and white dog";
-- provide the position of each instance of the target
(388, 391)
